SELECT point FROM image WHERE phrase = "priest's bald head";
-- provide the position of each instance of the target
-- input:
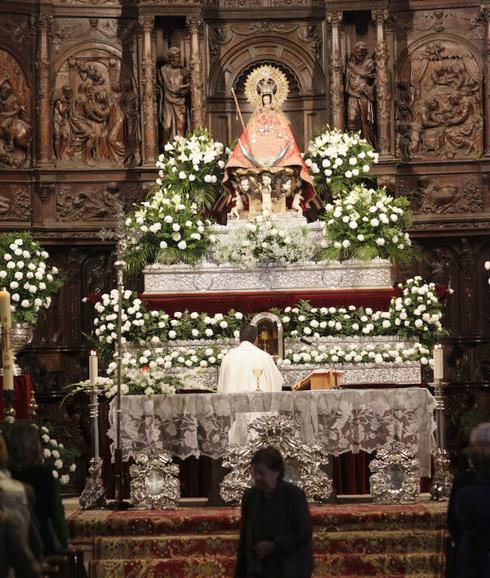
(248, 333)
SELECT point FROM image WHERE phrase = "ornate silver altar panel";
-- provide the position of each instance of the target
(302, 461)
(407, 373)
(295, 276)
(340, 420)
(154, 479)
(395, 474)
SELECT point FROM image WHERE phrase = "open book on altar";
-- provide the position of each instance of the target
(320, 379)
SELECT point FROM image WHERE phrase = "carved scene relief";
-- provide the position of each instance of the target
(439, 103)
(95, 112)
(15, 123)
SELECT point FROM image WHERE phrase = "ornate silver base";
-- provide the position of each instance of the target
(154, 479)
(302, 461)
(442, 479)
(93, 495)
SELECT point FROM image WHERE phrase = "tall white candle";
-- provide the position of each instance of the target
(7, 353)
(93, 367)
(438, 358)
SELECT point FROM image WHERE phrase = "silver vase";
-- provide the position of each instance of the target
(21, 335)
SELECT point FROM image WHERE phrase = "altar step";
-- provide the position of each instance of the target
(358, 540)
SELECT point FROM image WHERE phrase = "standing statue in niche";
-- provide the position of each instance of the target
(359, 86)
(266, 157)
(174, 90)
(15, 132)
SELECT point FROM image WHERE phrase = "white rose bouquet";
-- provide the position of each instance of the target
(166, 228)
(264, 240)
(194, 166)
(25, 274)
(418, 311)
(56, 456)
(366, 224)
(338, 159)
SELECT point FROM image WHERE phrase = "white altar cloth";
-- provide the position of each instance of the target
(342, 420)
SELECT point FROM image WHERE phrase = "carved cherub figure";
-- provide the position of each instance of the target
(242, 190)
(266, 192)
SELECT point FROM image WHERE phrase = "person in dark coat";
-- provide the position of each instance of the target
(473, 511)
(16, 558)
(276, 529)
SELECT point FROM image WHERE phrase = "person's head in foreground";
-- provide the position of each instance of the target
(23, 444)
(248, 333)
(267, 469)
(479, 450)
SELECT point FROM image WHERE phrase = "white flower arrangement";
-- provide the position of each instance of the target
(366, 224)
(194, 166)
(25, 274)
(358, 353)
(263, 241)
(166, 228)
(337, 159)
(418, 311)
(56, 456)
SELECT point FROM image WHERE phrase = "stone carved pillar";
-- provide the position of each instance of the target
(147, 83)
(194, 24)
(43, 101)
(336, 71)
(383, 86)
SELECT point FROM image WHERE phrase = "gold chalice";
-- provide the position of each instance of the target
(258, 372)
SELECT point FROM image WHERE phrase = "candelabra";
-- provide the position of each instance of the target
(440, 486)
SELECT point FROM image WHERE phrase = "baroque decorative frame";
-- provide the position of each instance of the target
(393, 460)
(303, 462)
(154, 479)
(280, 331)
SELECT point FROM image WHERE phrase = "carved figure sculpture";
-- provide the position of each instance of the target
(174, 90)
(62, 103)
(266, 150)
(359, 87)
(15, 132)
(130, 106)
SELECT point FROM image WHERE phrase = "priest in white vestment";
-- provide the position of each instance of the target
(237, 368)
(237, 376)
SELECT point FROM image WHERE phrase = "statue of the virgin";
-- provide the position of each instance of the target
(266, 162)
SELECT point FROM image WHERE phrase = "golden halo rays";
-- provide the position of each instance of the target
(263, 73)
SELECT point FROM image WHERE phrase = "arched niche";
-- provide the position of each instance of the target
(306, 106)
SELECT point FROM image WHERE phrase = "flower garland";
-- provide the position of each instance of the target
(338, 159)
(366, 224)
(166, 229)
(193, 166)
(264, 241)
(25, 274)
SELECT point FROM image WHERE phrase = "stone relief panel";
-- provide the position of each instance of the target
(95, 116)
(15, 202)
(79, 203)
(444, 195)
(439, 103)
(15, 121)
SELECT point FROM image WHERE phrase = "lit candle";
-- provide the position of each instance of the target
(438, 357)
(93, 367)
(7, 353)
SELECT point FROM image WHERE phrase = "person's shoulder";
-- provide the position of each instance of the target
(292, 489)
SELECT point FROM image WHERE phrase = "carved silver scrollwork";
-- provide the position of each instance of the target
(154, 479)
(395, 474)
(303, 462)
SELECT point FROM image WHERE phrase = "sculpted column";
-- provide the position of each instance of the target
(147, 80)
(383, 86)
(43, 95)
(336, 71)
(486, 86)
(194, 24)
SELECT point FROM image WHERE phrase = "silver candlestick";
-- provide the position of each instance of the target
(440, 486)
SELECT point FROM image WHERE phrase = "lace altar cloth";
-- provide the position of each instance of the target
(341, 420)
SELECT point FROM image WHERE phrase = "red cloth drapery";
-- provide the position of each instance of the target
(22, 396)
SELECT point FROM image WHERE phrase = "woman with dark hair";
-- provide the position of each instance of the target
(27, 465)
(276, 530)
(473, 511)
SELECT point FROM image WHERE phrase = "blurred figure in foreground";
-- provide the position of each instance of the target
(276, 530)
